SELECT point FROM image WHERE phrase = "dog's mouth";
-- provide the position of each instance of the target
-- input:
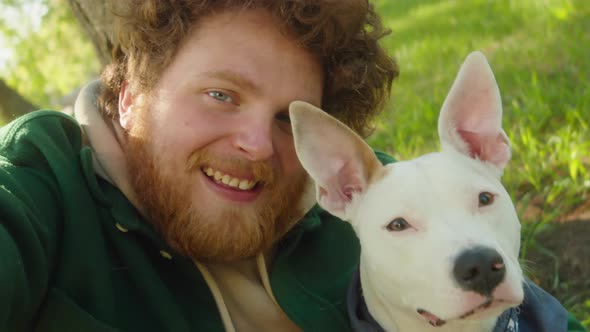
(432, 319)
(436, 321)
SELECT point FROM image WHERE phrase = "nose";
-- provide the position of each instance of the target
(254, 139)
(479, 269)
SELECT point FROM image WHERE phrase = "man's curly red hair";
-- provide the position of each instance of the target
(343, 34)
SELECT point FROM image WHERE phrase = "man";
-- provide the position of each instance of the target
(174, 201)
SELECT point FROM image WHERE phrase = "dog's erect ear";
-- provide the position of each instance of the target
(471, 116)
(337, 159)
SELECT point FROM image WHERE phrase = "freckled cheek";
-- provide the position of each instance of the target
(199, 127)
(188, 133)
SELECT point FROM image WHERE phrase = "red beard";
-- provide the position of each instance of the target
(235, 232)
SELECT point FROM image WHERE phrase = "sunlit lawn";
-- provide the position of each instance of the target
(540, 53)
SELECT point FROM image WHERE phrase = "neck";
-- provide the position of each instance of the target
(398, 319)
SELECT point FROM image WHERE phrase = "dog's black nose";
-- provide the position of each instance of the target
(479, 269)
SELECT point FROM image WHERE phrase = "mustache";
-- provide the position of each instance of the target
(262, 171)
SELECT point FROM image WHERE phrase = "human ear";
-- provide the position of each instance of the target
(125, 107)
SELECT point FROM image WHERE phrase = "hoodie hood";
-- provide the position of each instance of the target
(106, 138)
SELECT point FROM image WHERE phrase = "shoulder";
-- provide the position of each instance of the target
(35, 150)
(37, 135)
(43, 124)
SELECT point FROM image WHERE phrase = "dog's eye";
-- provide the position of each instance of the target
(398, 225)
(485, 198)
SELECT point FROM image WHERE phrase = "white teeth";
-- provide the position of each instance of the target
(228, 180)
(245, 184)
(234, 182)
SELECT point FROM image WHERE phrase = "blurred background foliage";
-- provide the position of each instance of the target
(540, 53)
(43, 53)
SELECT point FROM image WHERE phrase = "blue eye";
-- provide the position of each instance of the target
(218, 95)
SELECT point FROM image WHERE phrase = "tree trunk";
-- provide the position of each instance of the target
(12, 104)
(96, 20)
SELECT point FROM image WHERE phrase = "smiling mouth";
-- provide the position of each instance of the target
(436, 321)
(229, 180)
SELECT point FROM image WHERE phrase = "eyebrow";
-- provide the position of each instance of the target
(233, 77)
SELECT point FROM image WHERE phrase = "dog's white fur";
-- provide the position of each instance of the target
(437, 194)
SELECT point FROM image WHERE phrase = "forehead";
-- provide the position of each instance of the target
(433, 180)
(249, 46)
(443, 168)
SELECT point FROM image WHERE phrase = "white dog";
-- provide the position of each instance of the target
(439, 234)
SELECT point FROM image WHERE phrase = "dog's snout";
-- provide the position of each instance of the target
(479, 269)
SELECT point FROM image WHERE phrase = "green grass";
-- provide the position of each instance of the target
(540, 54)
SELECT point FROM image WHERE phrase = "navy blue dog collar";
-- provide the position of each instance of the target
(539, 312)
